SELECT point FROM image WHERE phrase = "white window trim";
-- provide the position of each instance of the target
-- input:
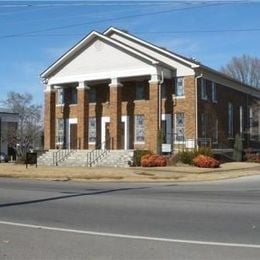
(179, 97)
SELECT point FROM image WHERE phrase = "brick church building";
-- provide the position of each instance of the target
(113, 90)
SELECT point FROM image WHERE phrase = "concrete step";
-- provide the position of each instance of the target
(79, 158)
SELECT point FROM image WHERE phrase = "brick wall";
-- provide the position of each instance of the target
(49, 120)
(219, 111)
(131, 107)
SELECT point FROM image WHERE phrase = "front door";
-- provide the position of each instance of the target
(73, 136)
(107, 139)
(122, 135)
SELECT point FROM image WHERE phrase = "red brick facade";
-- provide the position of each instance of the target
(140, 96)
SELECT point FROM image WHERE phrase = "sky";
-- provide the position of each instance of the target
(33, 34)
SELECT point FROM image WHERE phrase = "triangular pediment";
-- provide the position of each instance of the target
(97, 54)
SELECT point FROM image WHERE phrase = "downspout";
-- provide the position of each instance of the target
(196, 108)
(160, 100)
(160, 111)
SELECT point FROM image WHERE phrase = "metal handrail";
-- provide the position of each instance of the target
(60, 155)
(96, 154)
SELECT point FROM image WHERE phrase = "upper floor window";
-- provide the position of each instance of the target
(73, 96)
(203, 89)
(139, 91)
(163, 90)
(179, 87)
(92, 95)
(214, 91)
(230, 120)
(60, 96)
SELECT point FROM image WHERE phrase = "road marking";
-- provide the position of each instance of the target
(158, 239)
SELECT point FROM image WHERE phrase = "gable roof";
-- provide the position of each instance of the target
(85, 41)
(189, 62)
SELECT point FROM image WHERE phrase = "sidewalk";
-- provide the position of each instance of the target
(133, 174)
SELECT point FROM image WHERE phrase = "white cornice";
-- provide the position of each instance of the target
(103, 75)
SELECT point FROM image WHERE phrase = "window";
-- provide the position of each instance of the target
(251, 122)
(179, 127)
(60, 96)
(92, 130)
(215, 132)
(163, 131)
(163, 90)
(230, 120)
(203, 120)
(254, 128)
(203, 89)
(92, 95)
(74, 97)
(214, 91)
(139, 91)
(241, 120)
(60, 131)
(139, 128)
(179, 87)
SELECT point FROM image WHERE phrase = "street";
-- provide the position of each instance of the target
(70, 220)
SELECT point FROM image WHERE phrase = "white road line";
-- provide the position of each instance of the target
(158, 239)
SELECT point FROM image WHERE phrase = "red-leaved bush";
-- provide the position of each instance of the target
(204, 161)
(153, 160)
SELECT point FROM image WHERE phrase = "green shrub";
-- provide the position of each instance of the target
(187, 156)
(204, 151)
(138, 154)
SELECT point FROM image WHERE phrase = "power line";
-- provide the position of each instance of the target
(153, 32)
(200, 31)
(107, 20)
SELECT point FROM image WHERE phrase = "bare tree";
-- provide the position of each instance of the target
(29, 130)
(245, 69)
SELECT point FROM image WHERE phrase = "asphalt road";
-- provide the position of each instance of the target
(68, 220)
